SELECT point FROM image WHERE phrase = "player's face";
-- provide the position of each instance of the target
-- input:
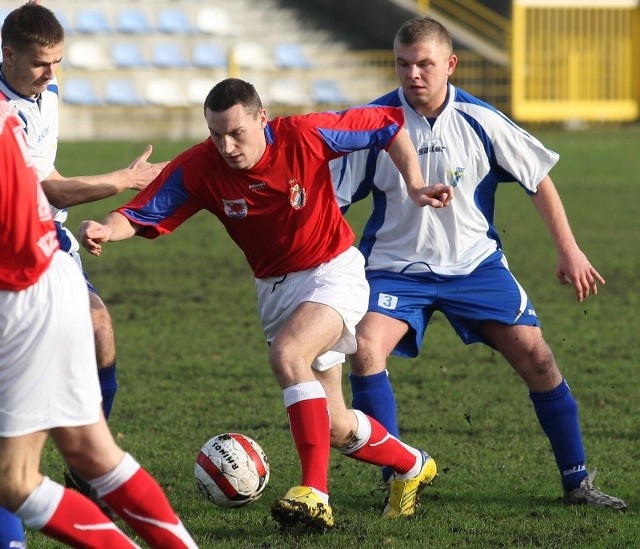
(29, 71)
(238, 135)
(424, 69)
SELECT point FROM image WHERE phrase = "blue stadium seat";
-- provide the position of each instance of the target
(122, 91)
(133, 21)
(289, 55)
(128, 55)
(92, 21)
(208, 55)
(79, 91)
(168, 55)
(327, 91)
(174, 21)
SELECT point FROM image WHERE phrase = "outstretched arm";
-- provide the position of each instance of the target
(64, 192)
(403, 155)
(573, 266)
(115, 226)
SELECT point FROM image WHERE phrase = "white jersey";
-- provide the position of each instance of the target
(40, 119)
(472, 147)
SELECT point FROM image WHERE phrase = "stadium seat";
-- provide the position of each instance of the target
(165, 91)
(289, 55)
(217, 21)
(128, 55)
(328, 92)
(252, 55)
(174, 21)
(79, 91)
(198, 89)
(287, 91)
(92, 21)
(133, 21)
(208, 55)
(168, 55)
(87, 54)
(122, 91)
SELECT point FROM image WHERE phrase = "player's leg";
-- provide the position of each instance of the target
(361, 437)
(44, 505)
(122, 483)
(310, 330)
(105, 351)
(377, 335)
(556, 409)
(490, 306)
(106, 360)
(398, 314)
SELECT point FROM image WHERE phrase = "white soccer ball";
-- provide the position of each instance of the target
(232, 470)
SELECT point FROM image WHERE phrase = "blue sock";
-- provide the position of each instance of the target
(108, 387)
(11, 530)
(557, 413)
(374, 396)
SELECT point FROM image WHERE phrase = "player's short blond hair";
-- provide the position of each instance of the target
(424, 29)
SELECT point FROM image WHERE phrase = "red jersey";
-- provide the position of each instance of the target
(282, 212)
(27, 234)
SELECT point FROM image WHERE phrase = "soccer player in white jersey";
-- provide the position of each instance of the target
(451, 259)
(49, 384)
(32, 47)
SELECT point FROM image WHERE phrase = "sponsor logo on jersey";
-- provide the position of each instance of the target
(431, 148)
(297, 195)
(257, 186)
(235, 208)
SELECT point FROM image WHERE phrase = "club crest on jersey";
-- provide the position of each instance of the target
(235, 208)
(297, 195)
(455, 176)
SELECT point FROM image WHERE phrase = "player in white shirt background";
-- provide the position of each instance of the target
(27, 78)
(451, 260)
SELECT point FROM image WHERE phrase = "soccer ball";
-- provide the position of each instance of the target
(232, 470)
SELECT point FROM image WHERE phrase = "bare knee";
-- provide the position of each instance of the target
(537, 367)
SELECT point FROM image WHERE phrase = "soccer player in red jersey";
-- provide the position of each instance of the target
(269, 184)
(49, 381)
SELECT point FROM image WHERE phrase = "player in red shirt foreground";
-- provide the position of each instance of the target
(268, 182)
(49, 381)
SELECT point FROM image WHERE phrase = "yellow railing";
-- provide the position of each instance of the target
(574, 62)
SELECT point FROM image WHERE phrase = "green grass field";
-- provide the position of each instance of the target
(193, 363)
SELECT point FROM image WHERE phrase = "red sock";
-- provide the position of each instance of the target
(310, 428)
(78, 522)
(141, 502)
(384, 449)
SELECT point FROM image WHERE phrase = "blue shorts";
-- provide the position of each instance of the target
(90, 286)
(490, 292)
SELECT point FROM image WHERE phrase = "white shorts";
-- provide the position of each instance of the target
(339, 283)
(48, 372)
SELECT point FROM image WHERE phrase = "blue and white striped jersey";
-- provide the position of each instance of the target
(471, 146)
